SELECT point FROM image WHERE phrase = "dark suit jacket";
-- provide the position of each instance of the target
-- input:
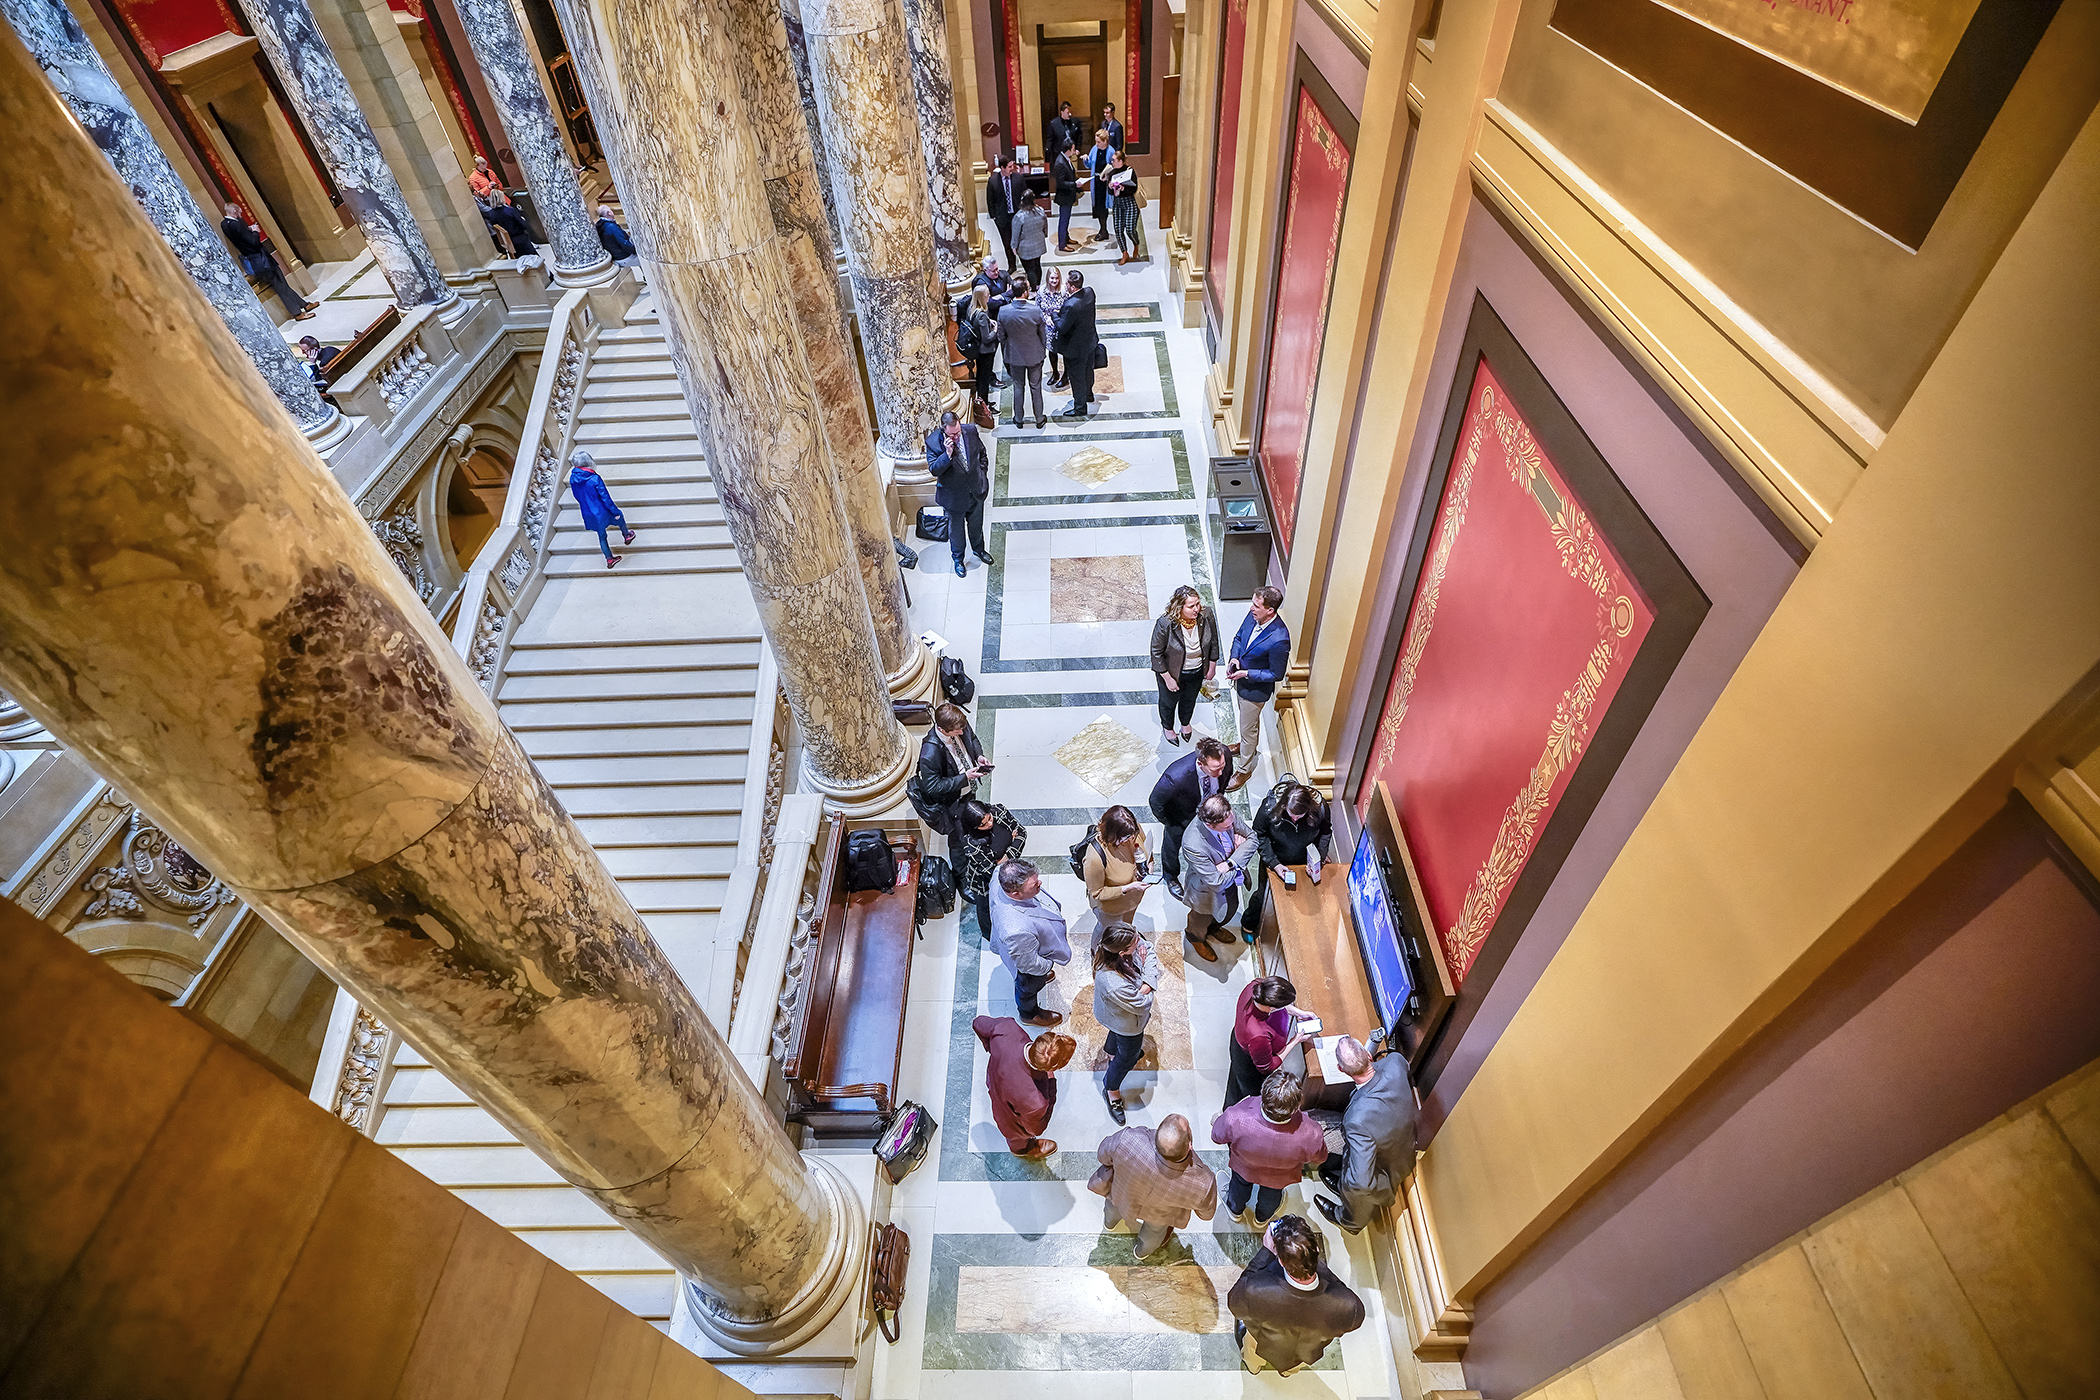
(1065, 171)
(1266, 662)
(998, 201)
(939, 779)
(963, 484)
(1076, 339)
(1060, 131)
(1179, 791)
(1115, 133)
(245, 240)
(1292, 1327)
(1378, 1133)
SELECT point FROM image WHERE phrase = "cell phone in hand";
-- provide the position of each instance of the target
(1307, 1025)
(1290, 878)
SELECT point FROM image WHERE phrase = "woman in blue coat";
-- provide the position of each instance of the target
(596, 503)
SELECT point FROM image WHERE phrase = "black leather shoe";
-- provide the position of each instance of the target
(1334, 1214)
(1115, 1108)
(985, 557)
(960, 571)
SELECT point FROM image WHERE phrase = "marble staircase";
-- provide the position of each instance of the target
(635, 689)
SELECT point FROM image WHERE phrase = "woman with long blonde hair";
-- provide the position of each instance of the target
(1184, 654)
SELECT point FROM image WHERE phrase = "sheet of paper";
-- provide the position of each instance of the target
(1319, 1057)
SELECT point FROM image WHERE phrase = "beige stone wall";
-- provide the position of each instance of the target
(1973, 1274)
(180, 1221)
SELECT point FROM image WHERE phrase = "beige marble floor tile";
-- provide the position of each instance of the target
(1125, 1300)
(1110, 379)
(1166, 1036)
(1090, 466)
(1105, 755)
(1099, 588)
(1123, 313)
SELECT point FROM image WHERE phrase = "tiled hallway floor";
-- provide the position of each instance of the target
(1014, 1283)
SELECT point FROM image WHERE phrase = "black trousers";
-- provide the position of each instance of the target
(1027, 987)
(1124, 1052)
(1079, 371)
(1006, 237)
(1034, 269)
(1181, 702)
(1170, 850)
(282, 285)
(508, 219)
(957, 520)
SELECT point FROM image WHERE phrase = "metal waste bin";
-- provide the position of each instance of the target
(1242, 527)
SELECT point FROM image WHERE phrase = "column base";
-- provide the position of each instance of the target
(331, 432)
(918, 678)
(454, 309)
(870, 795)
(595, 274)
(836, 1280)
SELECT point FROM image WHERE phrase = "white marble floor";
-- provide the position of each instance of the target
(1014, 1285)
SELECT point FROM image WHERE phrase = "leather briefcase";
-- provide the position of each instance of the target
(886, 1265)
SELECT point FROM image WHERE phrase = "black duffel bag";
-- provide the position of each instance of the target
(933, 523)
(956, 684)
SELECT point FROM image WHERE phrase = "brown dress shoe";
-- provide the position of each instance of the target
(1043, 1148)
(1202, 948)
(1043, 1018)
(1218, 933)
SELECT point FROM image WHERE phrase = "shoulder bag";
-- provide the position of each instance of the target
(887, 1261)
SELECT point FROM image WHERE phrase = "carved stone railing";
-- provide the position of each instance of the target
(357, 1058)
(385, 383)
(765, 782)
(506, 576)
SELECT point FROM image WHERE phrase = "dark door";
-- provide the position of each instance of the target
(1075, 70)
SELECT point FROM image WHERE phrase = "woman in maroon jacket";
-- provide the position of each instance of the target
(1261, 1035)
(1022, 1080)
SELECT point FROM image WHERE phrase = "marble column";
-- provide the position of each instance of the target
(667, 83)
(798, 49)
(190, 602)
(857, 64)
(320, 96)
(933, 93)
(62, 49)
(580, 260)
(787, 162)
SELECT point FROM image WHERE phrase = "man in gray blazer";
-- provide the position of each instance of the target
(1378, 1137)
(1216, 851)
(1023, 338)
(1028, 934)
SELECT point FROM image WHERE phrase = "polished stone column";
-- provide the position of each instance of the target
(933, 92)
(773, 105)
(320, 95)
(857, 64)
(190, 602)
(62, 49)
(666, 80)
(580, 260)
(798, 49)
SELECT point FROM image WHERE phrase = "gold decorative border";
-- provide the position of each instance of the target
(1321, 132)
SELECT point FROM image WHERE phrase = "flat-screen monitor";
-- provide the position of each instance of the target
(1378, 932)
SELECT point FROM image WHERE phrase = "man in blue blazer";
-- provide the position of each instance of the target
(1261, 651)
(955, 456)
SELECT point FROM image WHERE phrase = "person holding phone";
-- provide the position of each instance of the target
(951, 761)
(1126, 974)
(1115, 866)
(985, 834)
(1263, 1033)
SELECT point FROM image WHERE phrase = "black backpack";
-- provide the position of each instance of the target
(1078, 851)
(938, 819)
(870, 863)
(936, 890)
(956, 683)
(966, 340)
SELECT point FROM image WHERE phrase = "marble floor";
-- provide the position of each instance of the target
(1014, 1283)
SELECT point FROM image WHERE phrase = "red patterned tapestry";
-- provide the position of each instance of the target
(1228, 147)
(1312, 231)
(1133, 67)
(1017, 132)
(1523, 625)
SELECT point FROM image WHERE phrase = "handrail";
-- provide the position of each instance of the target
(506, 576)
(740, 900)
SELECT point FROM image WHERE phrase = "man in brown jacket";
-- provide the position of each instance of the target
(1021, 1077)
(1153, 1180)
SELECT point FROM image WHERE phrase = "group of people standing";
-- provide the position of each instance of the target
(1075, 159)
(1030, 326)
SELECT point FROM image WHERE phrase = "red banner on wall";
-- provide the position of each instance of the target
(1228, 143)
(1523, 625)
(1133, 66)
(1312, 232)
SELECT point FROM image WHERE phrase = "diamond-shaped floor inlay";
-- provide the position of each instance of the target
(1105, 755)
(1090, 466)
(1102, 588)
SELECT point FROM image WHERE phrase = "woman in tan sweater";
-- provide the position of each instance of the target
(1114, 867)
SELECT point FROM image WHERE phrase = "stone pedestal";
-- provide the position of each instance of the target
(696, 189)
(579, 259)
(319, 93)
(190, 603)
(859, 68)
(61, 48)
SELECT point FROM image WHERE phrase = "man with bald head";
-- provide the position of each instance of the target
(1376, 1150)
(1154, 1179)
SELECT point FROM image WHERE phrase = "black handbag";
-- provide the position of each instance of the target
(956, 683)
(936, 890)
(933, 523)
(1100, 355)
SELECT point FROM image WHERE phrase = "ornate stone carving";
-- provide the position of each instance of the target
(791, 975)
(403, 538)
(15, 722)
(488, 644)
(406, 371)
(43, 888)
(546, 465)
(357, 1086)
(154, 871)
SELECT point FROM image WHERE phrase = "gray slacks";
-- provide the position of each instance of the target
(1029, 377)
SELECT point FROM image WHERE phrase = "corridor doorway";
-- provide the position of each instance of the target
(1074, 68)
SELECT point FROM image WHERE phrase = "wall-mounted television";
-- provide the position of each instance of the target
(1379, 934)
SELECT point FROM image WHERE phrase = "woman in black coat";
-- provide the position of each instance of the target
(985, 835)
(1293, 827)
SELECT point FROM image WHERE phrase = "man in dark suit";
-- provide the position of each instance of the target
(1179, 792)
(1110, 125)
(1076, 341)
(1002, 195)
(955, 456)
(1378, 1137)
(254, 255)
(1289, 1304)
(1064, 129)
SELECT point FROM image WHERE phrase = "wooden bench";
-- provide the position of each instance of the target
(361, 345)
(843, 1054)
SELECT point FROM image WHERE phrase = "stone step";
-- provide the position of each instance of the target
(682, 447)
(523, 1207)
(642, 513)
(613, 391)
(629, 428)
(664, 832)
(635, 330)
(606, 1249)
(596, 772)
(627, 351)
(582, 566)
(440, 1126)
(655, 800)
(647, 492)
(698, 538)
(454, 1167)
(668, 862)
(633, 743)
(650, 1297)
(634, 407)
(616, 712)
(673, 895)
(620, 475)
(561, 658)
(629, 685)
(410, 1087)
(603, 371)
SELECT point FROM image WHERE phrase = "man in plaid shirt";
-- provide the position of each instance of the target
(1153, 1180)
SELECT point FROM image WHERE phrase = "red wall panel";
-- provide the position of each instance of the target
(1229, 71)
(168, 26)
(1312, 232)
(1523, 625)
